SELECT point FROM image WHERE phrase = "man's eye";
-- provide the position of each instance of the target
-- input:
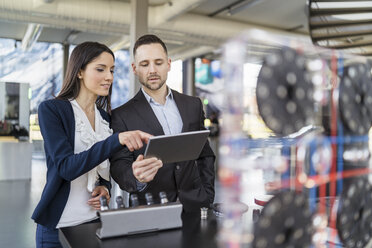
(144, 65)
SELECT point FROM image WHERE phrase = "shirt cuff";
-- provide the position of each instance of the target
(140, 186)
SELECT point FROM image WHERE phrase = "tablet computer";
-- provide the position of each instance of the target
(177, 147)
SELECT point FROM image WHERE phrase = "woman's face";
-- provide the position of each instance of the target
(98, 75)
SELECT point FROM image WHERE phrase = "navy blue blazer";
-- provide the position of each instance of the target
(57, 125)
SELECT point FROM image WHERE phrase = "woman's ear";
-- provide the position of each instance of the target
(80, 75)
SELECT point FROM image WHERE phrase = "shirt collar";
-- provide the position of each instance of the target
(151, 100)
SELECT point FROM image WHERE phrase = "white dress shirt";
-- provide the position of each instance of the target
(77, 210)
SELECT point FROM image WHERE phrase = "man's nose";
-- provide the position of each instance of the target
(152, 67)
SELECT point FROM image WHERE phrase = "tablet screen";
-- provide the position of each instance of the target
(178, 147)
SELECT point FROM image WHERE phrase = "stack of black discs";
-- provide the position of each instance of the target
(355, 105)
(284, 93)
(355, 99)
(285, 221)
(354, 215)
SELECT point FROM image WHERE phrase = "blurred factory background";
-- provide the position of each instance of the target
(37, 36)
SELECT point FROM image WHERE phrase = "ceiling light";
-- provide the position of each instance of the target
(32, 34)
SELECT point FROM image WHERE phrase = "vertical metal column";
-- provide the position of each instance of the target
(138, 27)
(188, 77)
(66, 53)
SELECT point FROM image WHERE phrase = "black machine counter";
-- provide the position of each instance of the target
(194, 233)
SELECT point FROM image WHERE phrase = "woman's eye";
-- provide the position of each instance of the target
(100, 69)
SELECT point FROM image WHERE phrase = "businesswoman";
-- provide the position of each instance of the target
(78, 142)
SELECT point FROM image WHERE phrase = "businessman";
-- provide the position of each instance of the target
(159, 110)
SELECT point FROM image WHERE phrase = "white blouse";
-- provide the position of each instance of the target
(77, 210)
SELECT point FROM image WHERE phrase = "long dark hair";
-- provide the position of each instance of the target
(82, 55)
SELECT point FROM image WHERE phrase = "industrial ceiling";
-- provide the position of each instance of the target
(189, 27)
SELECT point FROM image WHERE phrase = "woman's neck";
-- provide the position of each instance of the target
(87, 102)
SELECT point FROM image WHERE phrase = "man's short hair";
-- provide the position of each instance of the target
(148, 39)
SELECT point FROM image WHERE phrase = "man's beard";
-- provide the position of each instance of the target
(153, 86)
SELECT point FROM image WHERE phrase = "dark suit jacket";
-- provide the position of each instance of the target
(191, 181)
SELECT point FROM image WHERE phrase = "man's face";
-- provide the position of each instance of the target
(151, 66)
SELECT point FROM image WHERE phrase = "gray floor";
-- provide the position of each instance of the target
(18, 199)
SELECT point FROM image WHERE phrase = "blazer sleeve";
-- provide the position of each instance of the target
(103, 182)
(122, 160)
(68, 165)
(205, 162)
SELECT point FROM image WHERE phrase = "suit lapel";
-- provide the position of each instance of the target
(182, 108)
(148, 116)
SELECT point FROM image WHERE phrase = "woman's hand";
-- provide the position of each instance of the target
(97, 193)
(133, 139)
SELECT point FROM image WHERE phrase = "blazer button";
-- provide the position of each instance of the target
(177, 167)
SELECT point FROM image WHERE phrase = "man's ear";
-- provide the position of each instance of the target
(134, 68)
(169, 64)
